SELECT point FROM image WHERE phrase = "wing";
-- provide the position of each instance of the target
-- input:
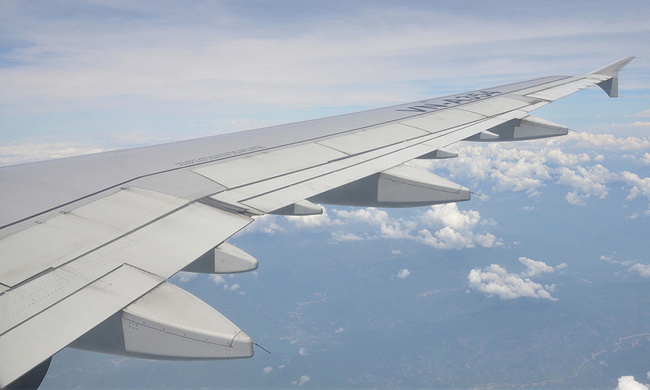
(87, 243)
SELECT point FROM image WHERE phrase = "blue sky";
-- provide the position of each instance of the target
(555, 218)
(94, 75)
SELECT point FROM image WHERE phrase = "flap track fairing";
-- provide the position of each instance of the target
(523, 129)
(168, 323)
(401, 186)
(224, 259)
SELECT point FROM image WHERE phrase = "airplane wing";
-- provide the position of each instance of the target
(87, 243)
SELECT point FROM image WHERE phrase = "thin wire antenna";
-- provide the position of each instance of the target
(479, 195)
(263, 349)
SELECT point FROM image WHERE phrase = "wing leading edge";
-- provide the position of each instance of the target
(84, 256)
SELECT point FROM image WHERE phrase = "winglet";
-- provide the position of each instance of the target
(610, 84)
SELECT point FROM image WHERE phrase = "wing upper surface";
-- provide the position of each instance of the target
(101, 231)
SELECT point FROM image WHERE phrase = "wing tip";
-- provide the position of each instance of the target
(612, 69)
(610, 84)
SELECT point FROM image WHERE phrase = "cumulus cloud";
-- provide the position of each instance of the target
(639, 186)
(302, 352)
(534, 267)
(403, 273)
(266, 370)
(456, 228)
(629, 383)
(496, 281)
(642, 269)
(531, 167)
(586, 182)
(605, 141)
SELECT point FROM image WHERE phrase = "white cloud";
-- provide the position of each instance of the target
(266, 223)
(309, 221)
(217, 279)
(456, 228)
(628, 383)
(388, 228)
(642, 269)
(604, 141)
(531, 167)
(185, 277)
(495, 280)
(302, 352)
(15, 153)
(266, 370)
(403, 273)
(231, 287)
(534, 267)
(340, 237)
(586, 182)
(302, 381)
(441, 226)
(640, 186)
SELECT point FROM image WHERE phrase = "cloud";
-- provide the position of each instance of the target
(642, 269)
(267, 370)
(302, 381)
(185, 277)
(341, 237)
(628, 383)
(495, 280)
(15, 153)
(456, 228)
(310, 221)
(302, 352)
(217, 279)
(608, 142)
(640, 186)
(531, 167)
(645, 113)
(586, 182)
(535, 267)
(268, 224)
(403, 273)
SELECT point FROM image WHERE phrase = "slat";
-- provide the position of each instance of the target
(560, 91)
(365, 140)
(443, 120)
(495, 106)
(264, 165)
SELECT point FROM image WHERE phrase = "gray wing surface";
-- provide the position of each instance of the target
(87, 243)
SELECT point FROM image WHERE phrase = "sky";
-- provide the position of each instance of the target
(552, 217)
